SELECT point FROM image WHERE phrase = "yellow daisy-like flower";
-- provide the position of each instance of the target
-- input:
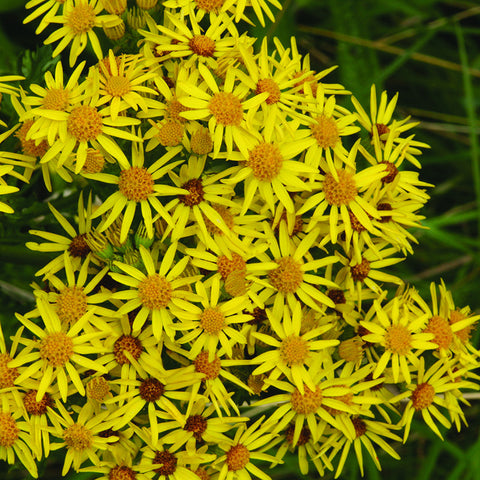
(74, 242)
(401, 335)
(121, 84)
(47, 9)
(271, 169)
(15, 439)
(79, 19)
(425, 394)
(225, 108)
(191, 43)
(52, 357)
(289, 276)
(290, 351)
(56, 96)
(137, 187)
(213, 322)
(341, 191)
(159, 293)
(238, 462)
(81, 438)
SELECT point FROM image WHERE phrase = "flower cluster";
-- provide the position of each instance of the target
(223, 295)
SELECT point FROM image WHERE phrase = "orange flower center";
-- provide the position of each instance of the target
(226, 108)
(308, 402)
(210, 5)
(422, 396)
(195, 192)
(78, 437)
(341, 191)
(201, 142)
(121, 472)
(209, 369)
(294, 350)
(81, 19)
(85, 123)
(440, 327)
(94, 161)
(30, 147)
(237, 457)
(265, 160)
(227, 265)
(97, 388)
(174, 109)
(127, 343)
(56, 349)
(37, 408)
(227, 217)
(288, 276)
(465, 333)
(155, 292)
(56, 99)
(236, 283)
(202, 45)
(212, 320)
(136, 183)
(269, 85)
(7, 375)
(325, 131)
(170, 133)
(71, 304)
(398, 339)
(8, 430)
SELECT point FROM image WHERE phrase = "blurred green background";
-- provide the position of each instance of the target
(429, 52)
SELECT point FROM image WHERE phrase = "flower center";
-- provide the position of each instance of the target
(29, 147)
(340, 192)
(121, 472)
(136, 183)
(463, 334)
(71, 304)
(81, 19)
(325, 131)
(294, 350)
(440, 327)
(151, 389)
(337, 296)
(209, 369)
(390, 172)
(385, 207)
(351, 350)
(127, 343)
(174, 109)
(56, 349)
(259, 316)
(117, 85)
(210, 5)
(226, 108)
(78, 437)
(227, 217)
(202, 45)
(422, 396)
(236, 284)
(360, 272)
(8, 430)
(382, 129)
(56, 99)
(360, 426)
(94, 161)
(288, 276)
(97, 388)
(227, 265)
(155, 292)
(304, 437)
(201, 473)
(357, 226)
(201, 142)
(212, 320)
(168, 461)
(85, 123)
(78, 246)
(269, 85)
(398, 339)
(237, 457)
(196, 424)
(195, 192)
(265, 160)
(308, 402)
(7, 375)
(170, 133)
(37, 408)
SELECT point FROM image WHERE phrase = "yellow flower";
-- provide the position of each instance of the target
(225, 108)
(45, 8)
(212, 323)
(137, 187)
(290, 352)
(400, 333)
(6, 189)
(78, 21)
(52, 357)
(160, 293)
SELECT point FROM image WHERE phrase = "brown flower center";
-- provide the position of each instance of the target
(167, 460)
(195, 192)
(237, 457)
(151, 389)
(360, 272)
(127, 343)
